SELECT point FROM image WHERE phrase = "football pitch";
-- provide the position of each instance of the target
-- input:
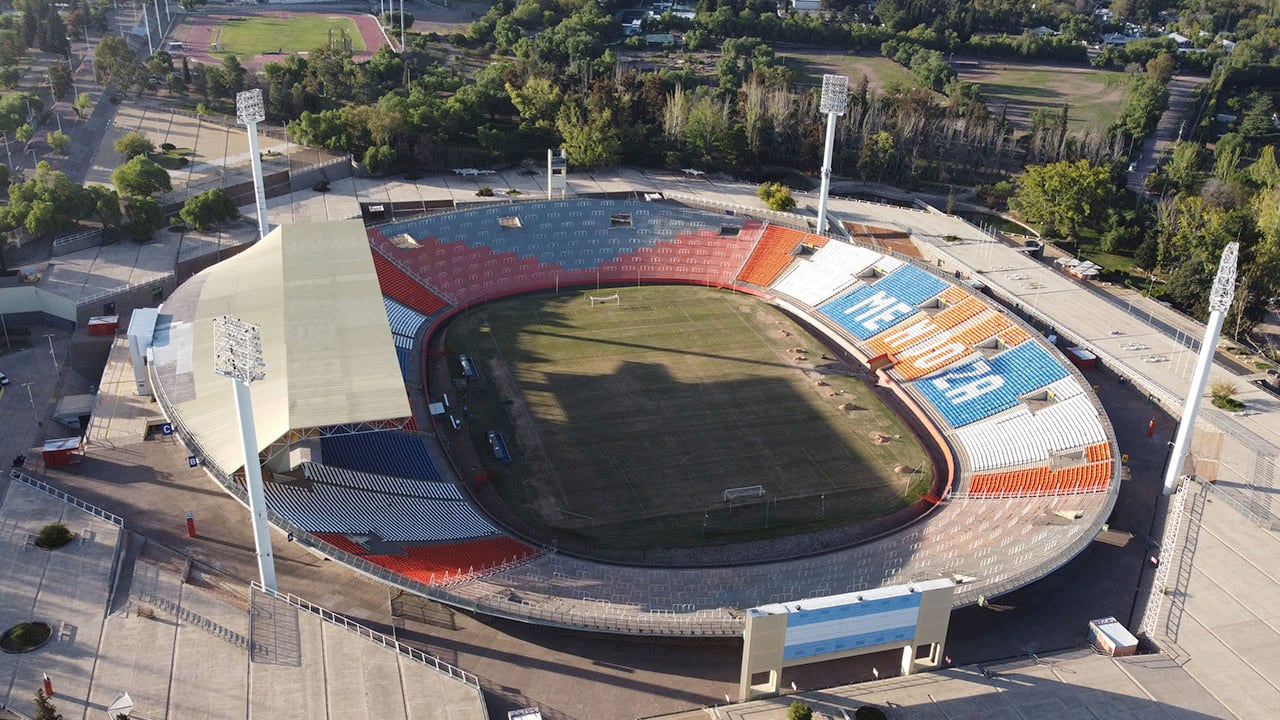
(253, 35)
(627, 422)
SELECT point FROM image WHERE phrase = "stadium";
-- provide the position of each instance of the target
(364, 463)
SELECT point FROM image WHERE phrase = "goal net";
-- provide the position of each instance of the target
(607, 299)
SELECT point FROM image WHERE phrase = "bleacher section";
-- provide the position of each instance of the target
(404, 321)
(397, 285)
(384, 453)
(1090, 477)
(774, 252)
(1028, 437)
(508, 249)
(338, 509)
(980, 388)
(833, 268)
(439, 564)
(331, 475)
(869, 309)
(343, 543)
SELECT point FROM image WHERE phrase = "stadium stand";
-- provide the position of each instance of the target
(1087, 478)
(440, 564)
(980, 388)
(1027, 437)
(774, 252)
(869, 309)
(316, 472)
(384, 453)
(508, 249)
(703, 258)
(343, 543)
(396, 518)
(404, 321)
(397, 285)
(833, 268)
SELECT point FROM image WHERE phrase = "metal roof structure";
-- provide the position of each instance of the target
(330, 358)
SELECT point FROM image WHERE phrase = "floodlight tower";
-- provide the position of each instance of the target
(1220, 297)
(249, 112)
(237, 354)
(835, 99)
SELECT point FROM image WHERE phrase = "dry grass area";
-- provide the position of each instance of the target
(1094, 97)
(628, 422)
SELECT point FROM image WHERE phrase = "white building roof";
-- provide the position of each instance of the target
(330, 359)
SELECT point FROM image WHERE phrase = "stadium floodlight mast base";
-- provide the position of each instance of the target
(249, 112)
(1220, 297)
(834, 102)
(237, 354)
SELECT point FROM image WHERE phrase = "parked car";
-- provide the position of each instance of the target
(4, 379)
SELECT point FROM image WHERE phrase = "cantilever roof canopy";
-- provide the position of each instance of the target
(330, 359)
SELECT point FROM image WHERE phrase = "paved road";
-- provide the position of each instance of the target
(1168, 131)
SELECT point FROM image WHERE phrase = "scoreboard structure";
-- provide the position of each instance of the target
(800, 632)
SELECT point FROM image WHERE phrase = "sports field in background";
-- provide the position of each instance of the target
(628, 422)
(259, 34)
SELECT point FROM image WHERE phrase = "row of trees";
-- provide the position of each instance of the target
(1210, 199)
(48, 202)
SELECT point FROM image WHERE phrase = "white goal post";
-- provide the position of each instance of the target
(750, 491)
(607, 299)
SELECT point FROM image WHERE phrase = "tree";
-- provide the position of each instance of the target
(1226, 155)
(83, 103)
(45, 203)
(44, 707)
(208, 208)
(1062, 196)
(1264, 171)
(60, 79)
(116, 64)
(24, 133)
(776, 196)
(59, 141)
(106, 206)
(799, 711)
(18, 109)
(1160, 68)
(141, 177)
(1183, 169)
(590, 139)
(875, 155)
(145, 217)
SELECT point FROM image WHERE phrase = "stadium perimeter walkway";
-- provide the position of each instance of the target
(181, 649)
(1071, 685)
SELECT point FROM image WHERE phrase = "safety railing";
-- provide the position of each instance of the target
(69, 499)
(371, 635)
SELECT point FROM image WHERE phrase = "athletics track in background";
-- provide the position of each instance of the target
(196, 34)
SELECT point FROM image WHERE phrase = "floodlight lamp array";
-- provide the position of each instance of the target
(1224, 283)
(249, 109)
(835, 94)
(237, 350)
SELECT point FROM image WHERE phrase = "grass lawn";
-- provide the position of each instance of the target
(811, 64)
(300, 32)
(1094, 97)
(628, 422)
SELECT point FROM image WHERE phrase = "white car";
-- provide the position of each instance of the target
(4, 379)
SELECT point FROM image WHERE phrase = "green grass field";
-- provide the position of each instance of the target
(628, 422)
(1094, 97)
(300, 32)
(811, 64)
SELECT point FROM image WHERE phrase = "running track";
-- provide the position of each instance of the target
(197, 32)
